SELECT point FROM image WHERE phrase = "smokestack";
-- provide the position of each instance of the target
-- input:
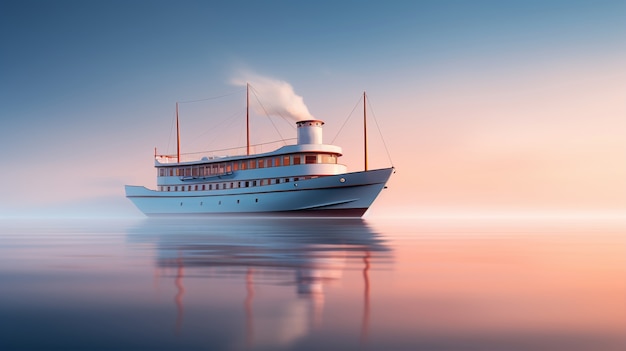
(310, 131)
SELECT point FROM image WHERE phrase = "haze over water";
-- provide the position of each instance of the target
(301, 284)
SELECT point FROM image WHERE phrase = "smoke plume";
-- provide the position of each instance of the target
(276, 97)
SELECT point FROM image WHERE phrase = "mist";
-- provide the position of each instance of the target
(274, 97)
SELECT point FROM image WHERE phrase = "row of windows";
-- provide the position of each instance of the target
(266, 162)
(232, 185)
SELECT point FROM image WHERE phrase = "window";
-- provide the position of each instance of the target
(254, 183)
(210, 186)
(161, 172)
(309, 159)
(285, 160)
(229, 167)
(244, 165)
(329, 158)
(296, 159)
(171, 172)
(276, 161)
(196, 188)
(231, 185)
(168, 188)
(203, 187)
(196, 172)
(247, 184)
(261, 163)
(235, 166)
(252, 164)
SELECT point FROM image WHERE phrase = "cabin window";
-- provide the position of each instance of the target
(210, 186)
(309, 159)
(161, 172)
(196, 172)
(247, 184)
(276, 161)
(296, 159)
(231, 185)
(196, 188)
(286, 180)
(229, 167)
(285, 160)
(254, 183)
(261, 163)
(220, 169)
(252, 164)
(235, 166)
(329, 158)
(203, 187)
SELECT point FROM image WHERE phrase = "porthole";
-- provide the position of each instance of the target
(342, 180)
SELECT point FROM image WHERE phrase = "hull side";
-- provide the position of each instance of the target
(344, 195)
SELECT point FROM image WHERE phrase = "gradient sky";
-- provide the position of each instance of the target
(485, 106)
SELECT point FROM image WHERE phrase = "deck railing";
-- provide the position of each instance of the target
(221, 153)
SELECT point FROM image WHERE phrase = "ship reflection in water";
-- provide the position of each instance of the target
(271, 273)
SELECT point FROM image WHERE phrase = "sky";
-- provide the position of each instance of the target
(485, 107)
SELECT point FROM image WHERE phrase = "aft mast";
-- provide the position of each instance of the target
(247, 118)
(177, 136)
(365, 130)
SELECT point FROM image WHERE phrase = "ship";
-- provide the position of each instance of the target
(304, 179)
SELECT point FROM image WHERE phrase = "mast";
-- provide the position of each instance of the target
(365, 130)
(247, 118)
(177, 136)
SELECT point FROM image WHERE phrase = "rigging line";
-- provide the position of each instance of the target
(347, 119)
(211, 98)
(217, 126)
(379, 131)
(267, 114)
(285, 119)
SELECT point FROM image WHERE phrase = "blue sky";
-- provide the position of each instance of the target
(89, 86)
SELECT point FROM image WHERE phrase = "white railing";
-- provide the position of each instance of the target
(221, 153)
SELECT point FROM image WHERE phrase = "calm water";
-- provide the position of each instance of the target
(271, 284)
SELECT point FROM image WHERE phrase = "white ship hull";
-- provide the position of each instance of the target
(340, 195)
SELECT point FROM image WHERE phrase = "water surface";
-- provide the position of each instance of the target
(301, 284)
